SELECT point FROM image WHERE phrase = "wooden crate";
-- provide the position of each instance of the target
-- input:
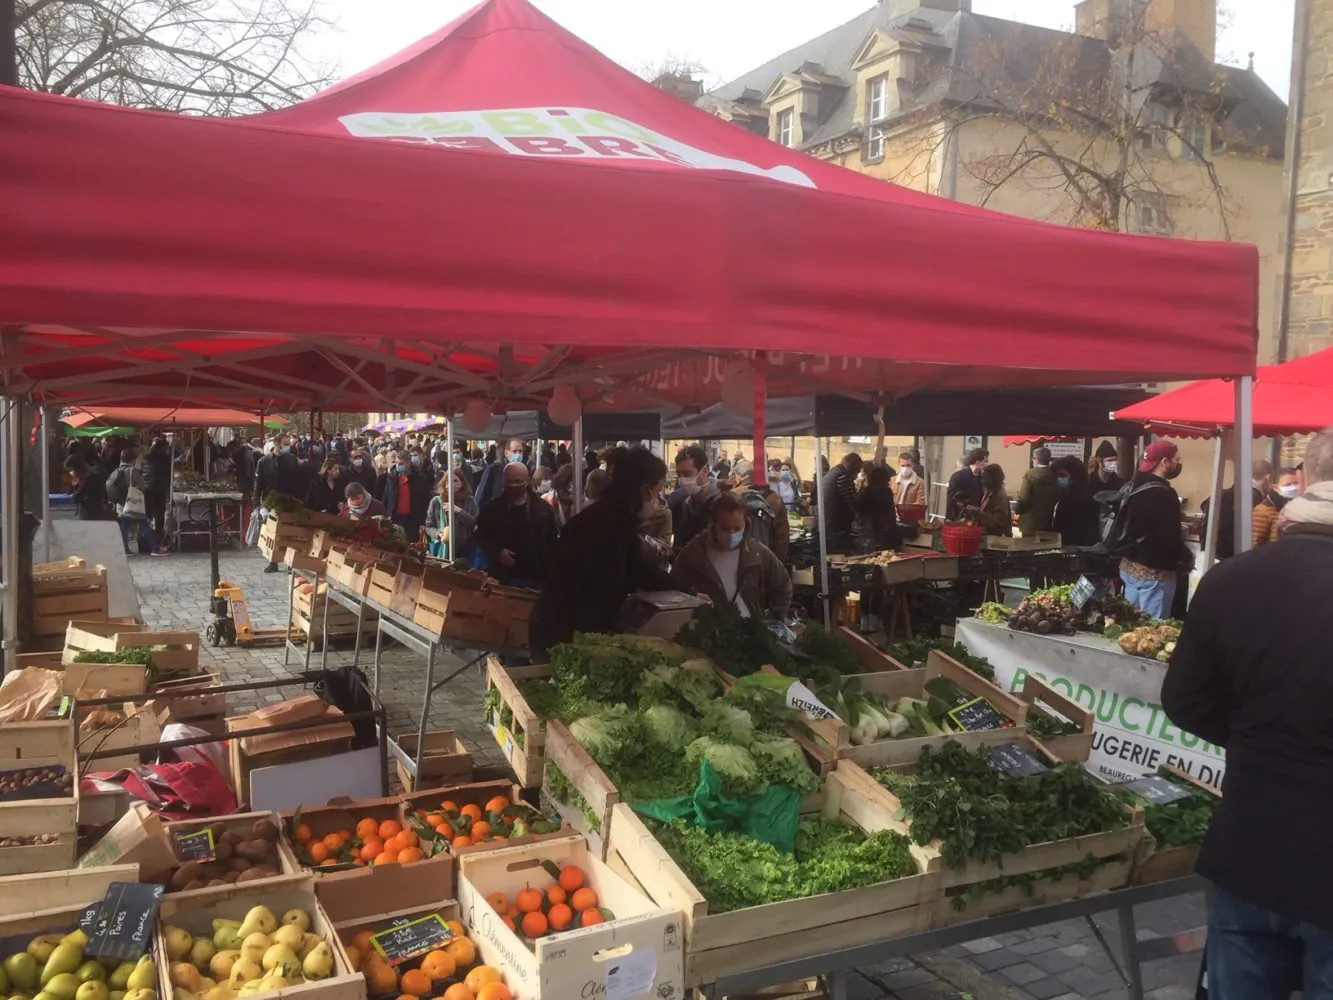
(740, 940)
(592, 817)
(59, 890)
(406, 588)
(911, 683)
(140, 728)
(523, 741)
(280, 533)
(112, 680)
(1159, 865)
(180, 652)
(289, 869)
(959, 906)
(512, 606)
(445, 759)
(71, 594)
(195, 912)
(47, 661)
(1040, 697)
(1030, 543)
(39, 744)
(297, 559)
(478, 793)
(193, 697)
(455, 606)
(350, 921)
(565, 966)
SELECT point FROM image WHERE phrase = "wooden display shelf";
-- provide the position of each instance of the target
(1042, 699)
(39, 744)
(1160, 865)
(588, 779)
(523, 741)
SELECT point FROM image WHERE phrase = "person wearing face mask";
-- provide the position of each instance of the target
(327, 491)
(405, 492)
(598, 561)
(360, 504)
(909, 489)
(1038, 494)
(278, 472)
(360, 470)
(1077, 516)
(1147, 534)
(517, 532)
(1263, 521)
(965, 487)
(1106, 468)
(789, 488)
(1282, 488)
(688, 502)
(727, 567)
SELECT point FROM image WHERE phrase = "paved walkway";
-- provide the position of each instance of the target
(1054, 962)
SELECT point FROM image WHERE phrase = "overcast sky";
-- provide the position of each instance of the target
(729, 37)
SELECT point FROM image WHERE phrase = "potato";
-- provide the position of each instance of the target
(230, 877)
(265, 830)
(250, 875)
(184, 875)
(255, 851)
(239, 864)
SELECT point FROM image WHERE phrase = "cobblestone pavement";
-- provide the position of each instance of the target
(1054, 962)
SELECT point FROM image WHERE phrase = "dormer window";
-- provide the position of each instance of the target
(877, 99)
(786, 128)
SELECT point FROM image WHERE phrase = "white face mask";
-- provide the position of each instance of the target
(1291, 491)
(1110, 465)
(906, 473)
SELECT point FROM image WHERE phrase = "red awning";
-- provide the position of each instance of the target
(293, 259)
(145, 416)
(1037, 439)
(1294, 398)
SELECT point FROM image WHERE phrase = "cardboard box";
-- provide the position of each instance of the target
(139, 837)
(569, 964)
(250, 752)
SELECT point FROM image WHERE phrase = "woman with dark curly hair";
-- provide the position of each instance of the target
(1077, 516)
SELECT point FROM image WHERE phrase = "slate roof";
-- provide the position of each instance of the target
(1254, 118)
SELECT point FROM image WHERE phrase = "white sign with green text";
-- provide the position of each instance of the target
(1133, 736)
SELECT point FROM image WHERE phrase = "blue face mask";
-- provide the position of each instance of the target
(516, 457)
(403, 468)
(286, 449)
(1064, 483)
(729, 539)
(416, 459)
(786, 475)
(458, 456)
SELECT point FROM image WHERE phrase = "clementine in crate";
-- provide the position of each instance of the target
(409, 854)
(333, 842)
(555, 893)
(494, 991)
(439, 965)
(361, 942)
(534, 924)
(387, 858)
(408, 838)
(435, 820)
(481, 976)
(499, 902)
(498, 804)
(463, 951)
(457, 928)
(302, 834)
(380, 976)
(572, 878)
(589, 917)
(449, 806)
(583, 899)
(530, 900)
(458, 991)
(367, 828)
(472, 811)
(318, 851)
(509, 922)
(479, 831)
(559, 916)
(415, 982)
(390, 828)
(354, 957)
(372, 848)
(462, 840)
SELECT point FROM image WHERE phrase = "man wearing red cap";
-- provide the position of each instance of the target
(1151, 541)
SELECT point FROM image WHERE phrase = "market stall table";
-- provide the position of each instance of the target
(336, 593)
(224, 510)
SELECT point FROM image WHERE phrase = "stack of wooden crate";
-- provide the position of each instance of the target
(67, 590)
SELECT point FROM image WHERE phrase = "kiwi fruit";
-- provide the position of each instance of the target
(265, 830)
(249, 875)
(254, 851)
(230, 877)
(223, 850)
(184, 875)
(238, 865)
(232, 837)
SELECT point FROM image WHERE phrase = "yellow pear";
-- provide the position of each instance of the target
(309, 942)
(244, 970)
(63, 985)
(226, 934)
(144, 976)
(90, 970)
(66, 957)
(289, 935)
(273, 981)
(117, 995)
(93, 989)
(221, 963)
(206, 984)
(41, 946)
(202, 952)
(220, 993)
(261, 919)
(255, 945)
(319, 963)
(141, 994)
(297, 918)
(179, 941)
(77, 938)
(186, 976)
(281, 959)
(120, 977)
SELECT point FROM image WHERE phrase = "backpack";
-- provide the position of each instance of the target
(1115, 531)
(761, 517)
(118, 486)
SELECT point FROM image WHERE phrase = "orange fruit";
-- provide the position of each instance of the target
(439, 965)
(380, 976)
(482, 975)
(329, 862)
(530, 900)
(360, 862)
(499, 902)
(571, 878)
(354, 957)
(415, 982)
(362, 943)
(480, 840)
(394, 844)
(303, 833)
(408, 838)
(462, 840)
(458, 991)
(494, 991)
(387, 858)
(498, 804)
(462, 950)
(534, 924)
(390, 828)
(456, 928)
(583, 899)
(373, 848)
(366, 828)
(555, 893)
(509, 922)
(560, 917)
(318, 851)
(480, 831)
(409, 854)
(449, 806)
(433, 820)
(472, 811)
(333, 842)
(589, 917)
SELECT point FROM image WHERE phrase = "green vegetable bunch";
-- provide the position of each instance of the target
(1043, 726)
(737, 644)
(1182, 823)
(608, 668)
(915, 651)
(141, 656)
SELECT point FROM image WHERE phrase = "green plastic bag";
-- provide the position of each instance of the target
(771, 817)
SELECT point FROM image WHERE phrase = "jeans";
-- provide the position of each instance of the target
(1257, 954)
(1152, 596)
(131, 526)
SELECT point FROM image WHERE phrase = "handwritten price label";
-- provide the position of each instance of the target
(506, 741)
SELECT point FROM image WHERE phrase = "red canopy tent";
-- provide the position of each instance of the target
(1292, 398)
(157, 416)
(290, 259)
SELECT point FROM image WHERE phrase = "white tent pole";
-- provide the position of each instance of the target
(823, 532)
(578, 464)
(451, 549)
(45, 411)
(1220, 442)
(11, 447)
(1244, 461)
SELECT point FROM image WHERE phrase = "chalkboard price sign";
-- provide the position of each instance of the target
(411, 939)
(1158, 790)
(124, 925)
(197, 846)
(1014, 760)
(976, 715)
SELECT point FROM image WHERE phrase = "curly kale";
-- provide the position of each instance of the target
(737, 644)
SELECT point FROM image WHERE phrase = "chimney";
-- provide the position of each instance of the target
(1110, 20)
(1196, 19)
(900, 8)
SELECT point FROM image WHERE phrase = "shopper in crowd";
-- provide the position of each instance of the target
(596, 486)
(360, 503)
(360, 469)
(242, 464)
(599, 561)
(992, 513)
(909, 489)
(838, 496)
(465, 520)
(1285, 488)
(1104, 470)
(90, 500)
(561, 497)
(789, 488)
(1037, 495)
(919, 467)
(156, 467)
(965, 487)
(125, 488)
(1263, 695)
(405, 492)
(876, 528)
(278, 472)
(728, 567)
(766, 515)
(1077, 516)
(491, 484)
(695, 490)
(328, 489)
(1147, 533)
(722, 467)
(1262, 520)
(517, 532)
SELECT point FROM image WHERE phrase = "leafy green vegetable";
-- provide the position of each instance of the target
(915, 651)
(1182, 823)
(737, 644)
(827, 649)
(141, 656)
(782, 762)
(764, 697)
(1044, 726)
(669, 727)
(727, 722)
(608, 667)
(561, 789)
(610, 737)
(835, 857)
(737, 769)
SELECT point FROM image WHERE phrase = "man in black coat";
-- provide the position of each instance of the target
(279, 472)
(517, 531)
(157, 483)
(964, 488)
(1251, 674)
(838, 497)
(1152, 543)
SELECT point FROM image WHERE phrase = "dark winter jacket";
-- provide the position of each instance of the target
(1250, 673)
(598, 562)
(839, 498)
(323, 498)
(763, 583)
(281, 473)
(527, 530)
(877, 520)
(1038, 495)
(1078, 518)
(90, 500)
(964, 490)
(156, 467)
(1156, 538)
(419, 488)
